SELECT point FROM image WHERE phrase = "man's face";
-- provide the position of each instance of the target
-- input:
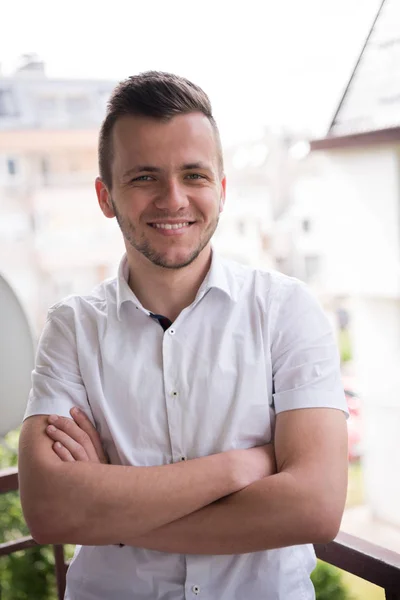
(167, 189)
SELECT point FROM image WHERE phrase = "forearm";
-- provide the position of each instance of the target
(272, 513)
(95, 504)
(92, 503)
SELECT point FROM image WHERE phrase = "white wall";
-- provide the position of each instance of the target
(376, 335)
(360, 221)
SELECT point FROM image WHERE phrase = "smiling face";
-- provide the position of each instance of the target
(167, 187)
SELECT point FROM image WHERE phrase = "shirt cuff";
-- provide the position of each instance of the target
(293, 399)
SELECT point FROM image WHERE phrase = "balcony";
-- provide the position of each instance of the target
(352, 554)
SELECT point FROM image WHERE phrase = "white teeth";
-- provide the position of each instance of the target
(170, 226)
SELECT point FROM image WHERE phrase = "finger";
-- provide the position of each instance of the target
(87, 426)
(69, 427)
(77, 450)
(62, 452)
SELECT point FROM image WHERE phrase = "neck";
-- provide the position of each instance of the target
(166, 291)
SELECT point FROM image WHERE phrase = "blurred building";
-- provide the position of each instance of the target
(261, 175)
(298, 243)
(52, 233)
(360, 219)
(54, 239)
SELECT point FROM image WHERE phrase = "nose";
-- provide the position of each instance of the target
(173, 196)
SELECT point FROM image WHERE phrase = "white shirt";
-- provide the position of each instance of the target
(251, 345)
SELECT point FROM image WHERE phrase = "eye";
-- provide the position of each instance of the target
(195, 176)
(143, 178)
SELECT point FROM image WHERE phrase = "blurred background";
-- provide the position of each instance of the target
(307, 98)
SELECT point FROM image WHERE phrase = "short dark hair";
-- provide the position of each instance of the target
(151, 94)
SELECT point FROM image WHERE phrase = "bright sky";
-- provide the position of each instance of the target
(273, 62)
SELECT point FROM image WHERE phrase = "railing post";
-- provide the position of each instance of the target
(61, 570)
(392, 594)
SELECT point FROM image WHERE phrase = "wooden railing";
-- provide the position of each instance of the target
(368, 561)
(9, 483)
(354, 555)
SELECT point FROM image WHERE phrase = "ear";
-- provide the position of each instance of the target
(223, 195)
(104, 198)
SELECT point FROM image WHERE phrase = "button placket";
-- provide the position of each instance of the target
(172, 396)
(198, 572)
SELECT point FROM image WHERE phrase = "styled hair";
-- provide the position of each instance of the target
(151, 94)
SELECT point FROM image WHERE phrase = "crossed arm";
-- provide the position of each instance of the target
(230, 503)
(301, 503)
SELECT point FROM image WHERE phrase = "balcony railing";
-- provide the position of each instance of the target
(354, 555)
(9, 483)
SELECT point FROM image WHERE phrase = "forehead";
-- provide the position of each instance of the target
(181, 139)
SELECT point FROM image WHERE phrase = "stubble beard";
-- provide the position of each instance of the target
(143, 245)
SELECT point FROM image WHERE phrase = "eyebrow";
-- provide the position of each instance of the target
(150, 169)
(195, 165)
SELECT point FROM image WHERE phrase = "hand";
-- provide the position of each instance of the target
(253, 464)
(76, 439)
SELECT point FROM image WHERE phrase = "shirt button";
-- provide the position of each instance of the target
(183, 458)
(171, 331)
(174, 393)
(196, 589)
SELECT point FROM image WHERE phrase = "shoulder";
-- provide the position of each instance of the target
(265, 284)
(281, 303)
(95, 304)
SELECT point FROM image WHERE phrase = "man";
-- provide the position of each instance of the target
(213, 453)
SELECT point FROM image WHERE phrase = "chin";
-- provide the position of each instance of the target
(174, 264)
(176, 261)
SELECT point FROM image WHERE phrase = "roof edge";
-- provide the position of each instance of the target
(355, 69)
(367, 138)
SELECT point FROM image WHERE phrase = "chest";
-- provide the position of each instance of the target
(203, 386)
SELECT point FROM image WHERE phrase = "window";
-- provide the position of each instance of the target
(7, 104)
(44, 168)
(11, 166)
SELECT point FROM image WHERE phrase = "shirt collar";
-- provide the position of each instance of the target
(124, 292)
(218, 277)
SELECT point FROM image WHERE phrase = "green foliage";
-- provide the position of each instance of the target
(28, 574)
(345, 349)
(328, 583)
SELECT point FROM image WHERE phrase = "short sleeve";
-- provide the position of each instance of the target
(56, 380)
(305, 357)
